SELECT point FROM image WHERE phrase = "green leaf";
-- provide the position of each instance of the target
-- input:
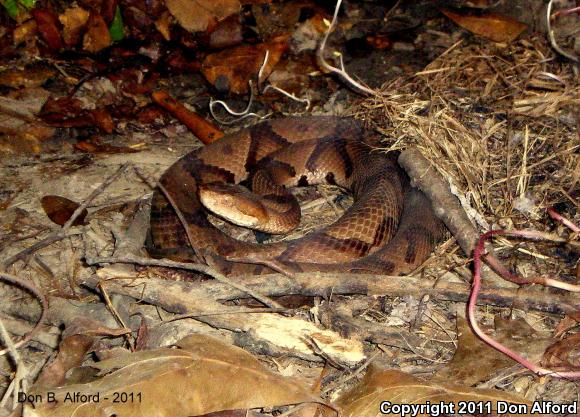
(11, 7)
(116, 29)
(29, 4)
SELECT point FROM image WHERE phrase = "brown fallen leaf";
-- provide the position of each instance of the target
(73, 21)
(227, 33)
(397, 387)
(29, 77)
(493, 26)
(204, 375)
(97, 36)
(69, 112)
(465, 369)
(71, 352)
(163, 25)
(25, 31)
(60, 209)
(201, 15)
(564, 354)
(47, 23)
(232, 69)
(278, 18)
(20, 131)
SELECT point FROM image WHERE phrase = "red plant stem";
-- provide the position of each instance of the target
(559, 218)
(476, 287)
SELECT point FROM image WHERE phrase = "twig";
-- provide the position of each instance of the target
(242, 115)
(19, 378)
(116, 315)
(219, 313)
(342, 72)
(319, 284)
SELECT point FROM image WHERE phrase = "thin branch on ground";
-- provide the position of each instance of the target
(19, 383)
(317, 284)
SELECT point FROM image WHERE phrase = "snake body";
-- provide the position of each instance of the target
(389, 229)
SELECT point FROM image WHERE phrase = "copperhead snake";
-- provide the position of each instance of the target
(389, 229)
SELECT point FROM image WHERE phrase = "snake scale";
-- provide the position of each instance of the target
(389, 229)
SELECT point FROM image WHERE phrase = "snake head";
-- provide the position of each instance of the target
(233, 203)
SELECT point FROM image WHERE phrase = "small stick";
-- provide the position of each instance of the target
(206, 131)
(21, 370)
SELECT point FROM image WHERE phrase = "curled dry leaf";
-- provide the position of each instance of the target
(60, 209)
(201, 15)
(204, 375)
(493, 26)
(232, 69)
(397, 387)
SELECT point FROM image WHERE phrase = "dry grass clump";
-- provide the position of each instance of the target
(498, 122)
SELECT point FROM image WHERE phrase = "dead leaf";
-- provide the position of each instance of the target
(227, 33)
(69, 112)
(462, 368)
(397, 387)
(23, 132)
(204, 375)
(564, 354)
(97, 36)
(60, 209)
(199, 15)
(232, 69)
(163, 25)
(71, 352)
(47, 23)
(493, 26)
(278, 18)
(73, 21)
(24, 32)
(29, 77)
